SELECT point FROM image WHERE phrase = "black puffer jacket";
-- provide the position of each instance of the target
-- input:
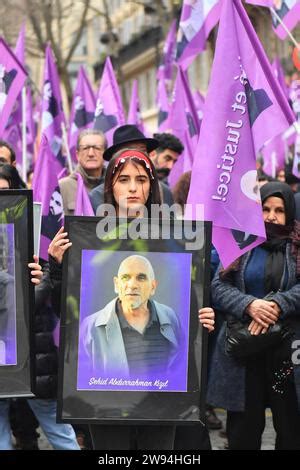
(45, 319)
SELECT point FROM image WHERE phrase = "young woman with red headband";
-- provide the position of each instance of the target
(131, 186)
(131, 183)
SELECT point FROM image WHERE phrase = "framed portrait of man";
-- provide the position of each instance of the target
(131, 347)
(16, 293)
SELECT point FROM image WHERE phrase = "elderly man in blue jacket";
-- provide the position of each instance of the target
(132, 334)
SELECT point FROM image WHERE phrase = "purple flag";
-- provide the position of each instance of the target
(261, 3)
(37, 113)
(30, 126)
(287, 10)
(82, 111)
(163, 106)
(109, 112)
(46, 190)
(134, 115)
(83, 204)
(198, 18)
(52, 112)
(20, 54)
(12, 133)
(199, 104)
(12, 79)
(30, 130)
(165, 70)
(244, 108)
(296, 161)
(184, 123)
(279, 74)
(273, 154)
(294, 95)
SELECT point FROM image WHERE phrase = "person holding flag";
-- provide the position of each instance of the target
(244, 108)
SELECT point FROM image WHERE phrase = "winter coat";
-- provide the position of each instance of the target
(45, 319)
(226, 385)
(68, 188)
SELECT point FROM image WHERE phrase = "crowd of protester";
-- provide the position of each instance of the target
(243, 389)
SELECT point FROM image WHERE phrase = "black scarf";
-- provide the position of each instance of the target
(277, 237)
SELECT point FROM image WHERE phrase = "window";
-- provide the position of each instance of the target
(81, 48)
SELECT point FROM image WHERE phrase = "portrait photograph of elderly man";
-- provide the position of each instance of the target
(8, 339)
(136, 340)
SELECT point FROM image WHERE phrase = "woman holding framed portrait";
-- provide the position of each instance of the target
(130, 189)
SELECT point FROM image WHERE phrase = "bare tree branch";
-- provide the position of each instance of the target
(36, 26)
(58, 20)
(79, 32)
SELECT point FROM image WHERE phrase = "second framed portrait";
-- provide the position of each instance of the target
(16, 293)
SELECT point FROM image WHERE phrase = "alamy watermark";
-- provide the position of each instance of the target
(296, 353)
(162, 223)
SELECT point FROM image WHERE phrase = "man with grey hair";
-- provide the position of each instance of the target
(132, 335)
(91, 144)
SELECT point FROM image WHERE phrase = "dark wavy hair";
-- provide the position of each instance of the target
(110, 177)
(168, 141)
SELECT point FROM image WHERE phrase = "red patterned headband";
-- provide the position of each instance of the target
(129, 154)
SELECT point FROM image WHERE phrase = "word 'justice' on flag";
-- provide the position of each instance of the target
(245, 107)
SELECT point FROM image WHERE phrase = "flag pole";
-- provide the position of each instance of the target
(65, 142)
(285, 28)
(24, 136)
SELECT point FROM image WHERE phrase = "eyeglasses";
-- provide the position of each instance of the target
(86, 148)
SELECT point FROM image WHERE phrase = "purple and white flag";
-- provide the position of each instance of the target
(244, 108)
(279, 74)
(165, 69)
(134, 114)
(13, 133)
(163, 105)
(184, 123)
(294, 96)
(198, 18)
(52, 111)
(199, 104)
(20, 54)
(296, 161)
(82, 110)
(273, 154)
(30, 125)
(46, 190)
(83, 203)
(12, 79)
(109, 113)
(288, 12)
(15, 119)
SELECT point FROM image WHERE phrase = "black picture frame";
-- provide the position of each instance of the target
(17, 292)
(93, 258)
